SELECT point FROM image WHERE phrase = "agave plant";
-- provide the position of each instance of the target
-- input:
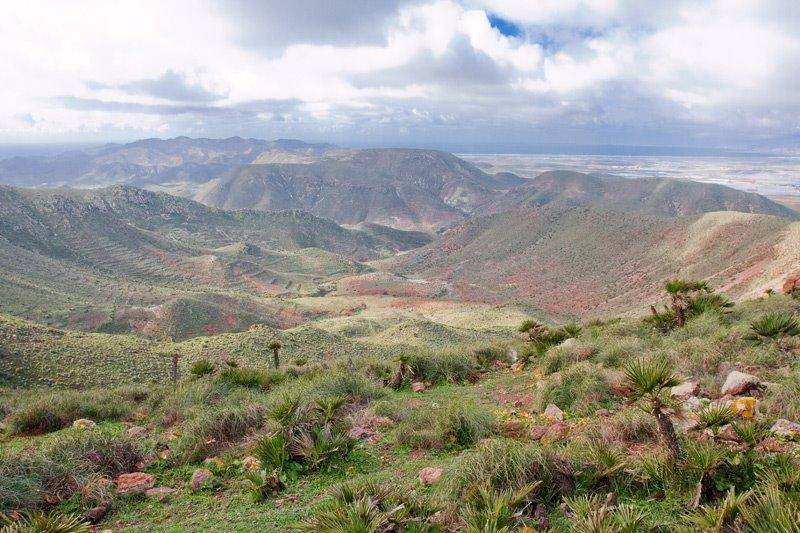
(649, 380)
(39, 522)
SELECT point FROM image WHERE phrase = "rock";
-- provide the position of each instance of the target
(83, 423)
(553, 414)
(738, 383)
(727, 433)
(773, 445)
(785, 428)
(162, 494)
(517, 367)
(685, 390)
(570, 343)
(556, 432)
(135, 483)
(430, 475)
(418, 386)
(214, 463)
(137, 431)
(251, 463)
(745, 406)
(200, 476)
(692, 403)
(792, 283)
(537, 432)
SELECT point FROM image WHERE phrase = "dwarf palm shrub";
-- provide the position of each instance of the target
(649, 380)
(715, 415)
(496, 510)
(250, 377)
(774, 326)
(38, 521)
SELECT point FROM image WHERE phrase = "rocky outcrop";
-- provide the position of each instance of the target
(738, 383)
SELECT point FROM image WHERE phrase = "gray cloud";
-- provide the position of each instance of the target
(271, 25)
(171, 85)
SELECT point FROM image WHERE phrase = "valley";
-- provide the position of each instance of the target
(277, 317)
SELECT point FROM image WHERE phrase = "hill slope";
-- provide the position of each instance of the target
(409, 189)
(148, 161)
(75, 257)
(652, 196)
(581, 261)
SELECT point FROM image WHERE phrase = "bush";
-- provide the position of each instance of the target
(202, 367)
(504, 464)
(64, 465)
(250, 377)
(486, 357)
(774, 326)
(57, 410)
(441, 368)
(215, 430)
(581, 388)
(457, 424)
(350, 385)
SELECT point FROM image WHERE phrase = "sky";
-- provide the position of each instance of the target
(477, 75)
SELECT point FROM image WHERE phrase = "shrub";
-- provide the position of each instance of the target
(715, 415)
(212, 431)
(250, 377)
(440, 368)
(64, 465)
(774, 326)
(486, 356)
(56, 410)
(458, 424)
(492, 510)
(581, 388)
(202, 367)
(505, 464)
(38, 521)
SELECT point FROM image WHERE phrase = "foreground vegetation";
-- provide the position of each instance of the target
(620, 425)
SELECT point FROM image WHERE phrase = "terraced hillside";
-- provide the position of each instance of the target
(408, 189)
(584, 261)
(90, 258)
(651, 196)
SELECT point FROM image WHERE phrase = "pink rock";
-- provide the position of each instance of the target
(786, 428)
(738, 382)
(430, 475)
(685, 390)
(135, 483)
(727, 433)
(418, 386)
(553, 414)
(199, 477)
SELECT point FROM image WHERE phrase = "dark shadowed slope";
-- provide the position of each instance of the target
(409, 189)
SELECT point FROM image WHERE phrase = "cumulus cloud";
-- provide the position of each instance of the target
(606, 71)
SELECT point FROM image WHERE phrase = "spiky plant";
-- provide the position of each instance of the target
(773, 327)
(405, 369)
(770, 509)
(589, 515)
(329, 407)
(650, 379)
(262, 485)
(718, 518)
(489, 510)
(752, 432)
(702, 459)
(715, 415)
(39, 522)
(573, 330)
(704, 303)
(275, 346)
(681, 293)
(536, 331)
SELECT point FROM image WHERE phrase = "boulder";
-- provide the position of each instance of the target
(553, 414)
(570, 343)
(785, 428)
(430, 475)
(162, 494)
(537, 432)
(418, 386)
(685, 390)
(556, 432)
(200, 476)
(83, 423)
(692, 403)
(135, 483)
(738, 383)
